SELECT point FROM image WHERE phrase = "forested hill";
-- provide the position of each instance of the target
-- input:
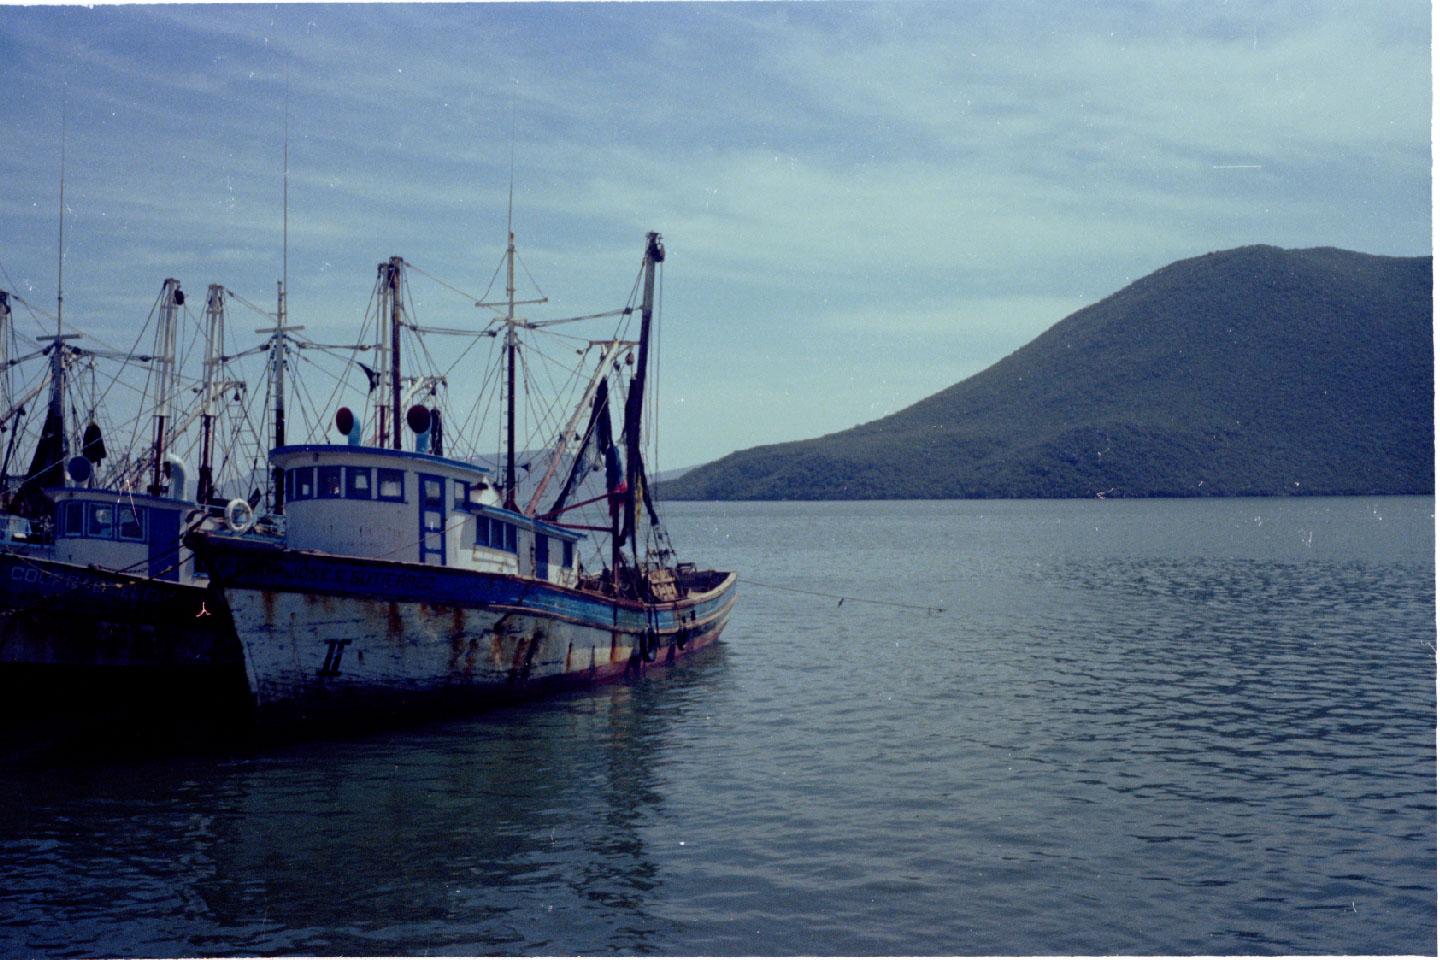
(1246, 372)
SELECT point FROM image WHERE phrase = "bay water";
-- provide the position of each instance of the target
(1030, 727)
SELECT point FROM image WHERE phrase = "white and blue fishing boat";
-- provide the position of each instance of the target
(410, 583)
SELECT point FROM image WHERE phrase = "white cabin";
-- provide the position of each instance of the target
(134, 533)
(373, 502)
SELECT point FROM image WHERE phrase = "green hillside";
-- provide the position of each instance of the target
(1247, 372)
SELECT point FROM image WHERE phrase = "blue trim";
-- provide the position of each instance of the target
(257, 566)
(93, 525)
(304, 485)
(354, 492)
(529, 523)
(431, 507)
(89, 494)
(384, 475)
(329, 471)
(342, 448)
(137, 523)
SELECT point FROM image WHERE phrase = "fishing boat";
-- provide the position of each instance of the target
(410, 582)
(105, 618)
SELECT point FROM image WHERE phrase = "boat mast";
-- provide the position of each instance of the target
(277, 334)
(397, 269)
(57, 363)
(214, 348)
(171, 299)
(634, 401)
(510, 503)
(390, 279)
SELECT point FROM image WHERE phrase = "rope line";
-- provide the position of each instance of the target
(841, 598)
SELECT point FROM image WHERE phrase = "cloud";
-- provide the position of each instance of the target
(863, 202)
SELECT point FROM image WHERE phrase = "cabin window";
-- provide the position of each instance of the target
(462, 494)
(289, 484)
(100, 521)
(329, 487)
(389, 484)
(304, 483)
(132, 523)
(73, 522)
(357, 483)
(567, 554)
(432, 491)
(497, 534)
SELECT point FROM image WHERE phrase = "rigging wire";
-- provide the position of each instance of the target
(841, 597)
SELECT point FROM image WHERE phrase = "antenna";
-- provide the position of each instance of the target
(285, 193)
(510, 210)
(60, 253)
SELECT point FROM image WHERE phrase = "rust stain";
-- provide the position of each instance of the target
(268, 599)
(394, 625)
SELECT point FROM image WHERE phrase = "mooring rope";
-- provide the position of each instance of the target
(842, 598)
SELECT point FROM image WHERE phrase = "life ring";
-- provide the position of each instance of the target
(239, 516)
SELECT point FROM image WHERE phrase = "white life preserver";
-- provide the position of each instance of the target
(239, 515)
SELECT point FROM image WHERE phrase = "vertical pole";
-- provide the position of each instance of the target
(165, 337)
(510, 484)
(214, 347)
(635, 400)
(277, 377)
(397, 266)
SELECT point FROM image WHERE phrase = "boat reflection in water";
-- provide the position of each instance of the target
(522, 830)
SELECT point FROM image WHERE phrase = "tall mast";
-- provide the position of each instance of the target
(214, 348)
(57, 363)
(510, 503)
(634, 401)
(171, 299)
(390, 275)
(277, 341)
(397, 270)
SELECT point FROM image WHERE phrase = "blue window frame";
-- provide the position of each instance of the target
(131, 523)
(72, 523)
(389, 484)
(99, 521)
(357, 483)
(567, 554)
(329, 485)
(304, 487)
(432, 491)
(497, 534)
(289, 484)
(462, 495)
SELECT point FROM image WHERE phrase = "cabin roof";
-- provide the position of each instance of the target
(384, 453)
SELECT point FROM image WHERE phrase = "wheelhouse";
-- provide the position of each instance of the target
(385, 504)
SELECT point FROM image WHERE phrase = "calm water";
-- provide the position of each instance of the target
(1136, 727)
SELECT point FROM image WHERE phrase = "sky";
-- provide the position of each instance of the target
(862, 203)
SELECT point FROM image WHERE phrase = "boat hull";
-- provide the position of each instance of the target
(329, 637)
(88, 648)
